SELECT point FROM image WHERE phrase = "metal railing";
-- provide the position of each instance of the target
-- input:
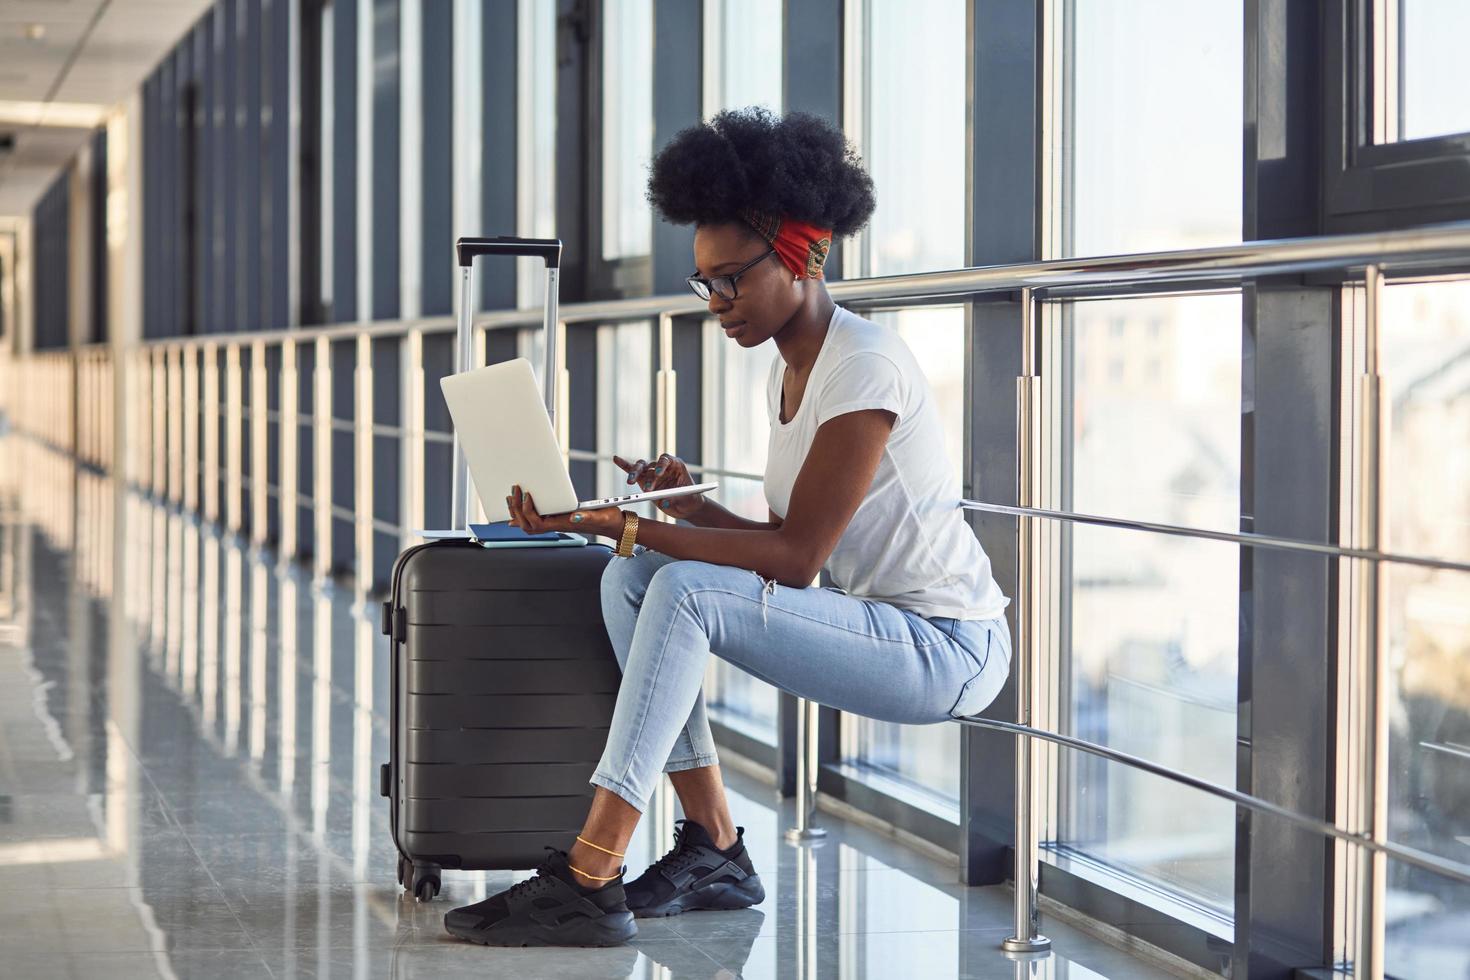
(1428, 251)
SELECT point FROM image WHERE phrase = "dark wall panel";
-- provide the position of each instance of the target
(248, 148)
(222, 431)
(344, 489)
(305, 449)
(168, 237)
(385, 230)
(51, 266)
(98, 189)
(151, 263)
(345, 14)
(438, 361)
(436, 173)
(247, 457)
(276, 170)
(677, 103)
(181, 319)
(273, 442)
(204, 184)
(386, 499)
(498, 149)
(582, 404)
(227, 172)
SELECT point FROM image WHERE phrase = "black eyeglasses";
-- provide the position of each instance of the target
(723, 286)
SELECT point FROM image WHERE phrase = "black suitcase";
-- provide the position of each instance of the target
(503, 683)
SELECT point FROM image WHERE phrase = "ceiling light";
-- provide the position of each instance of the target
(35, 32)
(68, 115)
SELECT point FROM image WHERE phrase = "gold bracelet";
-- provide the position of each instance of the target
(592, 877)
(630, 535)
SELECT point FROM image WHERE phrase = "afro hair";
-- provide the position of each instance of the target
(796, 165)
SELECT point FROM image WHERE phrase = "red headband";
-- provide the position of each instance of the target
(802, 247)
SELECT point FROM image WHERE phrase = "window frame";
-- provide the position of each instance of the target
(1368, 186)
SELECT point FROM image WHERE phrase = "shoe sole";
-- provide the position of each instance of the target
(722, 896)
(614, 929)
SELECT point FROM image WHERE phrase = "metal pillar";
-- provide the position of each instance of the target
(1027, 937)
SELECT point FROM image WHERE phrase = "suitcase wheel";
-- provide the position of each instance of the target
(403, 868)
(423, 881)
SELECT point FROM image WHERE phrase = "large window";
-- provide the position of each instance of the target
(535, 140)
(907, 116)
(627, 127)
(742, 54)
(1144, 422)
(624, 406)
(1149, 428)
(924, 757)
(742, 67)
(1155, 104)
(733, 388)
(1429, 75)
(1426, 341)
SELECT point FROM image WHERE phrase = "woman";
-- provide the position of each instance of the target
(858, 482)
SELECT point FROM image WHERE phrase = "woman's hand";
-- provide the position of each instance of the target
(664, 472)
(607, 521)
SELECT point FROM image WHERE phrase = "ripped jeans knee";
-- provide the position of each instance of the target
(768, 588)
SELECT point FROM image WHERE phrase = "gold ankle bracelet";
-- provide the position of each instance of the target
(599, 847)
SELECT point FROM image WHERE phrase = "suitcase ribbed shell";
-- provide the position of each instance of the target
(503, 689)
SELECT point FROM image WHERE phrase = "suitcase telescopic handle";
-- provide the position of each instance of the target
(466, 250)
(546, 249)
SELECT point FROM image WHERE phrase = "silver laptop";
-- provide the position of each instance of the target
(505, 433)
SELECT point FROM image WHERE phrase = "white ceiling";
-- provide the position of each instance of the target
(93, 53)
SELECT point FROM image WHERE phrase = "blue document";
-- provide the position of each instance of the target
(504, 536)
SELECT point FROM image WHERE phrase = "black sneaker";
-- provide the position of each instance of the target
(696, 875)
(548, 909)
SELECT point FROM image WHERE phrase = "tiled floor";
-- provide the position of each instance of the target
(189, 742)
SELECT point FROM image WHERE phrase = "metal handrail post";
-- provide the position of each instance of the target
(1027, 937)
(1372, 663)
(806, 774)
(459, 505)
(550, 327)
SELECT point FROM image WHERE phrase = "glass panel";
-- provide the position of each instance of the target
(1155, 157)
(912, 134)
(627, 126)
(1426, 343)
(1433, 72)
(926, 757)
(535, 141)
(743, 67)
(624, 403)
(743, 54)
(736, 440)
(1150, 429)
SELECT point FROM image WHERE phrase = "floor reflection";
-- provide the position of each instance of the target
(190, 731)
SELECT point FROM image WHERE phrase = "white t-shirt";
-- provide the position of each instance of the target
(908, 543)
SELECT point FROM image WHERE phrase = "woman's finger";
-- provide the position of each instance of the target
(636, 473)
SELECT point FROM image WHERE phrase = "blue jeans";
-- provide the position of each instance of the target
(666, 616)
